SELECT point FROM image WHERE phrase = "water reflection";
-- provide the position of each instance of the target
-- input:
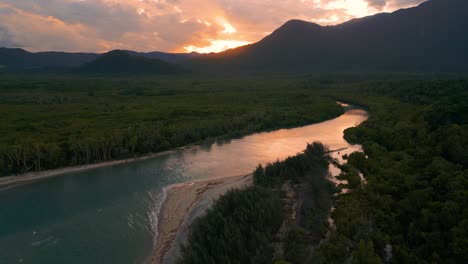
(240, 156)
(107, 215)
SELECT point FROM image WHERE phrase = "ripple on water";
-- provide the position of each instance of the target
(112, 213)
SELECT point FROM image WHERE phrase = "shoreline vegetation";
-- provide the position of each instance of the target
(60, 121)
(283, 215)
(412, 208)
(184, 203)
(7, 182)
(408, 209)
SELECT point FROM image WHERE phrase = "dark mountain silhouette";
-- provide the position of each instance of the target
(432, 37)
(167, 57)
(19, 59)
(121, 62)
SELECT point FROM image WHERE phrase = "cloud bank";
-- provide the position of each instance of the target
(165, 25)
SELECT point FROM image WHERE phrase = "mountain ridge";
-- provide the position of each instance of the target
(430, 37)
(427, 38)
(18, 59)
(123, 62)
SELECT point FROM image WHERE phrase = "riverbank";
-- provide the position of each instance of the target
(118, 195)
(184, 203)
(16, 180)
(30, 177)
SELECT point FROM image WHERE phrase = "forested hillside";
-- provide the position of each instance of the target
(123, 62)
(20, 60)
(429, 38)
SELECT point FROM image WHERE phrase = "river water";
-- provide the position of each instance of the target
(109, 215)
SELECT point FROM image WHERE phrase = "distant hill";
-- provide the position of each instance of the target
(432, 37)
(122, 62)
(19, 59)
(167, 57)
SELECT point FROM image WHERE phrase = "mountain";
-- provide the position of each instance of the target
(121, 62)
(167, 57)
(431, 37)
(19, 59)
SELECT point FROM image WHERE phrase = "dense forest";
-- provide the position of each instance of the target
(413, 207)
(56, 121)
(410, 209)
(243, 225)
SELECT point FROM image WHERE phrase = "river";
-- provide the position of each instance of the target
(109, 215)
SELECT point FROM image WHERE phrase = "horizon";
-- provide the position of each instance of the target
(69, 26)
(340, 135)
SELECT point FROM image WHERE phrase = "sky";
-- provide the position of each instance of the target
(166, 25)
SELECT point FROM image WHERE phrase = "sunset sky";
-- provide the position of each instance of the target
(165, 25)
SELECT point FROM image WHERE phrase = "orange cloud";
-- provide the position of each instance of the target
(166, 25)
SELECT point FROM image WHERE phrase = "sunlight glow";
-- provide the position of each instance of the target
(229, 29)
(181, 25)
(355, 8)
(217, 46)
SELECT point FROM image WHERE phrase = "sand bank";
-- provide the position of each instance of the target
(12, 181)
(184, 203)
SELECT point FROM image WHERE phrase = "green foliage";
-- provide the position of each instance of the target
(292, 168)
(86, 120)
(282, 262)
(296, 246)
(365, 254)
(237, 229)
(414, 201)
(415, 164)
(351, 175)
(241, 225)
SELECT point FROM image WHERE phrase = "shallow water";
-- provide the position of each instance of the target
(108, 215)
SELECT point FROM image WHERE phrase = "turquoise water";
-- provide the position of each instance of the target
(109, 215)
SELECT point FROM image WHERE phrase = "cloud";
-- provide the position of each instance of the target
(165, 25)
(377, 3)
(6, 39)
(36, 32)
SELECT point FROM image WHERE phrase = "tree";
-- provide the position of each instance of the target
(365, 254)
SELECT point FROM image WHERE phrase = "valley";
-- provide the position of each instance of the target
(310, 132)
